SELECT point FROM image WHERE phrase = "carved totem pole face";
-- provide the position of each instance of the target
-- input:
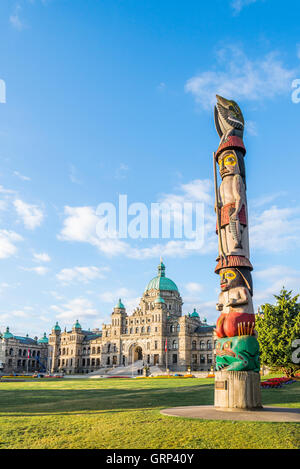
(230, 278)
(228, 164)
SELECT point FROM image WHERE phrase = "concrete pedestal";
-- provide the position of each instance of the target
(237, 390)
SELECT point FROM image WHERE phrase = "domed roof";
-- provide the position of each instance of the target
(160, 282)
(77, 325)
(120, 304)
(7, 334)
(194, 314)
(56, 327)
(43, 340)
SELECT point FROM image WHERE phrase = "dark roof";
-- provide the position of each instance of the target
(90, 335)
(25, 340)
(203, 329)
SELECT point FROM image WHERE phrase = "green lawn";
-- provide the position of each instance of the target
(124, 413)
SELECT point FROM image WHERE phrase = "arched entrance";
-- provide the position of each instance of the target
(135, 353)
(138, 353)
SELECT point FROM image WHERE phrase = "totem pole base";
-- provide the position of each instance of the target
(237, 390)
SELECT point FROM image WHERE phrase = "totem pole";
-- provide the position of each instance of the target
(237, 352)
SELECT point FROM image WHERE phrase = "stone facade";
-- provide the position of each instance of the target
(23, 354)
(156, 324)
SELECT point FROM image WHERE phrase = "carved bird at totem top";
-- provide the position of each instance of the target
(229, 119)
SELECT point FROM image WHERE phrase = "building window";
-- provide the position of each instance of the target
(202, 359)
(194, 359)
(136, 330)
(209, 358)
(202, 345)
(155, 345)
(194, 345)
(108, 361)
(108, 348)
(209, 345)
(174, 358)
(142, 330)
(148, 329)
(174, 345)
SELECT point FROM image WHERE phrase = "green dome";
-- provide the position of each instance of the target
(56, 327)
(120, 304)
(43, 340)
(194, 314)
(7, 334)
(77, 325)
(161, 282)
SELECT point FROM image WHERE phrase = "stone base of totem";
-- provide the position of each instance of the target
(237, 390)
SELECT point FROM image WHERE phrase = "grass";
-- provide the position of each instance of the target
(124, 413)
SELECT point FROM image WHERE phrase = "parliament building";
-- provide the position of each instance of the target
(156, 333)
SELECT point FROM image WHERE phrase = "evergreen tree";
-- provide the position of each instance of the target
(278, 326)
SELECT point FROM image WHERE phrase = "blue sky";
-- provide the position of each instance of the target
(116, 97)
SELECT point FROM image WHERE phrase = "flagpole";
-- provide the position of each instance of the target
(166, 350)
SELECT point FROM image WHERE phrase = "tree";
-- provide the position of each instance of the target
(277, 327)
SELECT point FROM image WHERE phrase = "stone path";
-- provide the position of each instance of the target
(267, 414)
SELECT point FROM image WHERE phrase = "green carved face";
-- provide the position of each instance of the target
(240, 353)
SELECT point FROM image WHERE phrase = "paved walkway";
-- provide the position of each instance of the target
(267, 414)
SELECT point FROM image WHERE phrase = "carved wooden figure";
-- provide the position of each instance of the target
(237, 318)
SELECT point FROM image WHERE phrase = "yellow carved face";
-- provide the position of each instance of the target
(227, 276)
(228, 164)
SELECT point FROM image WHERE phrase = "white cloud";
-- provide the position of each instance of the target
(16, 22)
(113, 296)
(41, 257)
(6, 191)
(21, 176)
(7, 243)
(75, 309)
(241, 78)
(38, 270)
(238, 5)
(275, 229)
(73, 175)
(81, 274)
(194, 287)
(80, 225)
(31, 215)
(272, 279)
